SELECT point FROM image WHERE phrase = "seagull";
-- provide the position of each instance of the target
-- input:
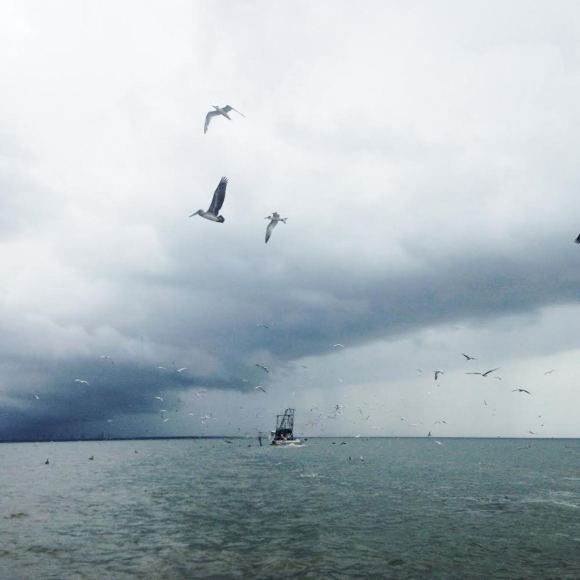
(159, 398)
(467, 357)
(219, 111)
(161, 368)
(521, 391)
(437, 373)
(274, 219)
(266, 369)
(217, 201)
(549, 372)
(483, 374)
(262, 325)
(260, 388)
(338, 345)
(36, 397)
(106, 357)
(81, 381)
(181, 369)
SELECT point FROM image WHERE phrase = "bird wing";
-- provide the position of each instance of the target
(208, 119)
(219, 196)
(487, 372)
(229, 108)
(269, 229)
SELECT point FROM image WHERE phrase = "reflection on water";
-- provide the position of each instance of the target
(195, 508)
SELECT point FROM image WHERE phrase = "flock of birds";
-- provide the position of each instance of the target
(219, 196)
(213, 214)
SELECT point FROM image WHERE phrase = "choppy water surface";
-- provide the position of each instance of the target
(193, 508)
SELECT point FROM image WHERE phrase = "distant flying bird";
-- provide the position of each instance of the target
(159, 398)
(217, 201)
(437, 373)
(549, 372)
(577, 240)
(338, 345)
(106, 357)
(36, 397)
(274, 219)
(219, 111)
(483, 374)
(438, 442)
(260, 388)
(161, 368)
(521, 391)
(81, 381)
(91, 458)
(266, 369)
(262, 325)
(181, 369)
(468, 357)
(47, 462)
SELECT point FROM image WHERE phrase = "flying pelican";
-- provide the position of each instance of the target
(437, 373)
(219, 111)
(266, 369)
(467, 357)
(521, 391)
(274, 219)
(81, 381)
(483, 374)
(217, 201)
(260, 388)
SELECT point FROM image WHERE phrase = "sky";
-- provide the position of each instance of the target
(424, 153)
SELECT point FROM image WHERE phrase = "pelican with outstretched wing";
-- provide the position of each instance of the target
(216, 203)
(274, 219)
(219, 111)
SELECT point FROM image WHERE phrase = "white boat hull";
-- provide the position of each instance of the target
(291, 443)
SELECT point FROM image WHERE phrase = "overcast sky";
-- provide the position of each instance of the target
(425, 154)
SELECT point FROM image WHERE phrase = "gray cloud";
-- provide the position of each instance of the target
(426, 162)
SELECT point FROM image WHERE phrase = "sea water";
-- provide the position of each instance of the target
(388, 508)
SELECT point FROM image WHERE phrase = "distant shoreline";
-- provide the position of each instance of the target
(218, 437)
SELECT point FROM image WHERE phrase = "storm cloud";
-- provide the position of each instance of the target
(426, 157)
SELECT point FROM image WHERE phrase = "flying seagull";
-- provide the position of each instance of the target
(483, 374)
(219, 111)
(338, 345)
(266, 369)
(549, 372)
(159, 398)
(437, 373)
(217, 201)
(467, 357)
(181, 369)
(521, 391)
(260, 388)
(274, 219)
(81, 381)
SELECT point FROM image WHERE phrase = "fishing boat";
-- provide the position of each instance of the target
(284, 433)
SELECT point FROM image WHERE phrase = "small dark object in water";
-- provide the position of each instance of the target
(47, 462)
(91, 458)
